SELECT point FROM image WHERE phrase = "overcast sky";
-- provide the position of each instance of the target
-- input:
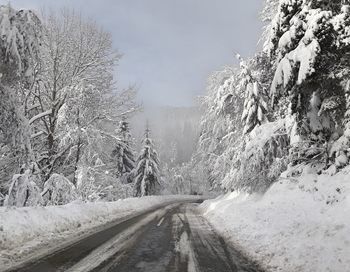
(170, 46)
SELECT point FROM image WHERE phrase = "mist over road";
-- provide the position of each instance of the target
(172, 238)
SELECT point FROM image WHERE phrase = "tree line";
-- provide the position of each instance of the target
(284, 111)
(64, 132)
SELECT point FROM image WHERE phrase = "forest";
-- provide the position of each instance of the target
(284, 110)
(64, 123)
(65, 131)
(266, 148)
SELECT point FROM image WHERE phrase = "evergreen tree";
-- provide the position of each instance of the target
(255, 105)
(123, 152)
(147, 179)
(308, 42)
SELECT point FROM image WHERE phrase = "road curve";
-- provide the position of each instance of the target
(173, 238)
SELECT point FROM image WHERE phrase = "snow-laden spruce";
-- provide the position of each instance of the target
(124, 153)
(147, 181)
(255, 104)
(308, 41)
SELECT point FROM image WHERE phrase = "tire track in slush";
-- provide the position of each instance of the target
(175, 238)
(182, 240)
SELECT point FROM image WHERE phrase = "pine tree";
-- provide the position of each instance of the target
(306, 41)
(147, 179)
(123, 152)
(255, 105)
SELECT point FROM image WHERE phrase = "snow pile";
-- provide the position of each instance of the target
(298, 225)
(21, 229)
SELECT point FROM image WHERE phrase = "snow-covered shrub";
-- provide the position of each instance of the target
(112, 189)
(120, 191)
(264, 158)
(58, 190)
(98, 184)
(339, 151)
(277, 167)
(24, 191)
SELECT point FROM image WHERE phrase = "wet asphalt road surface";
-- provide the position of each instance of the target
(175, 239)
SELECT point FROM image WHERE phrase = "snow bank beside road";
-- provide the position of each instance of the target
(22, 229)
(298, 225)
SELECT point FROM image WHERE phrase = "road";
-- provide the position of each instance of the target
(172, 238)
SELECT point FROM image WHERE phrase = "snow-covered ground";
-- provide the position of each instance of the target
(298, 225)
(39, 229)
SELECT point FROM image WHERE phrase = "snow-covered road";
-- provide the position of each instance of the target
(173, 238)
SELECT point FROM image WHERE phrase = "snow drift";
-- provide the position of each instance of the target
(298, 225)
(22, 229)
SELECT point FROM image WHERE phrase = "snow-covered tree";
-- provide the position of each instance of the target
(147, 181)
(123, 152)
(75, 84)
(20, 38)
(59, 105)
(255, 101)
(221, 131)
(307, 42)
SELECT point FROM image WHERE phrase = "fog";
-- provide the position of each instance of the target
(169, 49)
(175, 131)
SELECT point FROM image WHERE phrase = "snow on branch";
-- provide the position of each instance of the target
(40, 115)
